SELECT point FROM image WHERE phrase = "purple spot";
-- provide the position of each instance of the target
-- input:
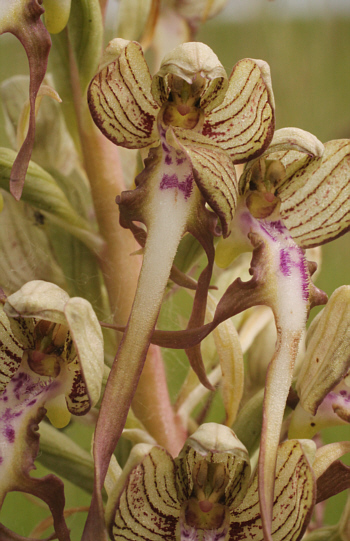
(343, 393)
(278, 226)
(180, 161)
(32, 402)
(165, 147)
(172, 181)
(5, 398)
(9, 434)
(304, 277)
(168, 159)
(285, 262)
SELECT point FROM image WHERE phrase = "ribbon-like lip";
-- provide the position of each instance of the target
(22, 18)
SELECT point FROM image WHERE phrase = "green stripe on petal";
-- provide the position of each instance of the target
(148, 507)
(120, 99)
(244, 122)
(295, 492)
(316, 200)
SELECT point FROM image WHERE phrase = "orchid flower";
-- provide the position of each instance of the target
(51, 362)
(206, 493)
(295, 196)
(198, 125)
(323, 384)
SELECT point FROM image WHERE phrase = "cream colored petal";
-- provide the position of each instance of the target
(188, 61)
(327, 356)
(316, 199)
(144, 503)
(39, 299)
(119, 97)
(88, 340)
(11, 351)
(295, 492)
(286, 139)
(244, 122)
(214, 174)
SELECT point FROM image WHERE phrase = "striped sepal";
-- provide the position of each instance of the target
(121, 102)
(244, 122)
(316, 199)
(148, 507)
(295, 492)
(214, 174)
(217, 444)
(12, 345)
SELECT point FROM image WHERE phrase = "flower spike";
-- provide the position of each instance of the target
(186, 170)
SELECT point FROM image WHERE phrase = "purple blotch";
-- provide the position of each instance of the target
(285, 262)
(304, 277)
(180, 161)
(168, 159)
(9, 434)
(343, 393)
(172, 181)
(165, 147)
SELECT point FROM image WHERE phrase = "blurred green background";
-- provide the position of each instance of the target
(310, 66)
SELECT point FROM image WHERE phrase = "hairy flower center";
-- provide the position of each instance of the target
(49, 340)
(183, 106)
(206, 509)
(265, 176)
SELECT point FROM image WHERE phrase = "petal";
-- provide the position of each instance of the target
(21, 409)
(38, 299)
(295, 493)
(316, 199)
(88, 340)
(218, 444)
(334, 410)
(145, 502)
(11, 350)
(188, 61)
(327, 356)
(300, 141)
(22, 18)
(244, 122)
(120, 98)
(214, 174)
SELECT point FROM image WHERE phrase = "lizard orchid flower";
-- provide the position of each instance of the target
(206, 493)
(51, 359)
(295, 196)
(195, 125)
(323, 383)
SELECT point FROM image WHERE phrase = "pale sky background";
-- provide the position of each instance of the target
(247, 9)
